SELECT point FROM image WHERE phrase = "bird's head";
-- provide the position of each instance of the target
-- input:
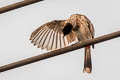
(70, 24)
(73, 20)
(67, 29)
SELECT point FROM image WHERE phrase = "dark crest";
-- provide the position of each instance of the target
(67, 29)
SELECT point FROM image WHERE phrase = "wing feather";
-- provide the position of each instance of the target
(46, 42)
(50, 36)
(50, 41)
(36, 32)
(36, 38)
(66, 42)
(54, 40)
(58, 41)
(62, 41)
(45, 39)
(41, 38)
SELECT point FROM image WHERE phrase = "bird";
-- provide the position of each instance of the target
(58, 34)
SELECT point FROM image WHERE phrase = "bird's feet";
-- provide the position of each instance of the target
(81, 42)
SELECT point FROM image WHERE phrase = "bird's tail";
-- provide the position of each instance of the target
(87, 60)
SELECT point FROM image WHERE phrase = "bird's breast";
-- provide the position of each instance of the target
(81, 33)
(78, 33)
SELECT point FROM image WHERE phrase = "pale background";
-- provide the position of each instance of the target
(16, 27)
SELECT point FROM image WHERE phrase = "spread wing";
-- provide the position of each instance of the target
(50, 36)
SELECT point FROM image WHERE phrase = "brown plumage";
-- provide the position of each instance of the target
(59, 33)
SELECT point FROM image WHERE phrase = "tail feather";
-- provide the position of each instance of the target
(87, 60)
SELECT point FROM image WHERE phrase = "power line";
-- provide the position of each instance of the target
(59, 51)
(17, 5)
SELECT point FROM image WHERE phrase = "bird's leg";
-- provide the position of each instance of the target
(82, 41)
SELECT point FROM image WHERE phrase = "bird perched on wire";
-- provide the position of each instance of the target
(60, 33)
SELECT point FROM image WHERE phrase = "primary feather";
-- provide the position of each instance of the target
(50, 36)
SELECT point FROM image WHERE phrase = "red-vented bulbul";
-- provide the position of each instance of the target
(59, 33)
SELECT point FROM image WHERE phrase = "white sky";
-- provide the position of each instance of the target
(16, 27)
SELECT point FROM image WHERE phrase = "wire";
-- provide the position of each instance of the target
(60, 51)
